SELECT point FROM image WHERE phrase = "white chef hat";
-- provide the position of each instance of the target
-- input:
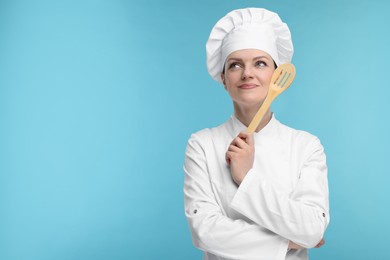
(250, 28)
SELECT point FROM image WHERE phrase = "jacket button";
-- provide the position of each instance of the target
(195, 211)
(323, 214)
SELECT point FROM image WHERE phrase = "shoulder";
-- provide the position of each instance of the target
(207, 134)
(208, 137)
(301, 138)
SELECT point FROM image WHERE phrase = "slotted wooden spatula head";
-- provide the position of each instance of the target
(282, 78)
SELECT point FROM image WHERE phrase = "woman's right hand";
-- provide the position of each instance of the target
(240, 156)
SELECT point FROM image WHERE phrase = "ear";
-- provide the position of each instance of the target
(223, 79)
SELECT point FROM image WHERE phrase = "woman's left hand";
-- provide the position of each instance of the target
(292, 245)
(240, 156)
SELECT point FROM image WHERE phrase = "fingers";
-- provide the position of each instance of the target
(233, 148)
(247, 137)
(230, 153)
(231, 156)
(239, 142)
(320, 244)
(292, 245)
(243, 140)
(227, 158)
(240, 156)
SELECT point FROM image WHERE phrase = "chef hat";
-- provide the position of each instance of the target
(250, 28)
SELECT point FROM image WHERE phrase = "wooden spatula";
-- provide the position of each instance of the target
(281, 79)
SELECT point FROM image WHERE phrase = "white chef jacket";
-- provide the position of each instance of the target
(283, 197)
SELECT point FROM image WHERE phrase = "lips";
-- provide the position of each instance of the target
(247, 86)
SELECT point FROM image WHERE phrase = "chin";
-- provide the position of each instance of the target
(251, 103)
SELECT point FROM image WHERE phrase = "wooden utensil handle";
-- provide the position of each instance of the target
(260, 113)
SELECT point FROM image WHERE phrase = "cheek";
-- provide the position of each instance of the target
(268, 76)
(229, 80)
(233, 76)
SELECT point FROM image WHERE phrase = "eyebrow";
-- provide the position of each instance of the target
(255, 58)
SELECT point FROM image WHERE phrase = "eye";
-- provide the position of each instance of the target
(234, 65)
(260, 64)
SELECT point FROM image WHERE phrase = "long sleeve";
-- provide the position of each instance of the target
(302, 215)
(212, 231)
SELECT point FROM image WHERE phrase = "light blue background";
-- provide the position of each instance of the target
(98, 99)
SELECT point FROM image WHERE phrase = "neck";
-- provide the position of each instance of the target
(246, 114)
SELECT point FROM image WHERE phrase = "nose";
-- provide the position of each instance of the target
(247, 73)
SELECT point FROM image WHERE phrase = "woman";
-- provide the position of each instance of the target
(262, 195)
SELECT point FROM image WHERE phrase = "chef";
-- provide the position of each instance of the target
(263, 195)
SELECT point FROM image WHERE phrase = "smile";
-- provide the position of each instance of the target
(247, 86)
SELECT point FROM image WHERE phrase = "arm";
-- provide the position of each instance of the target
(302, 216)
(211, 230)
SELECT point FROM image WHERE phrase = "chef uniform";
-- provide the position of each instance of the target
(284, 197)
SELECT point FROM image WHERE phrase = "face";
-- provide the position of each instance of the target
(247, 76)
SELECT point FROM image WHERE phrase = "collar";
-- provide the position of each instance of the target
(268, 130)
